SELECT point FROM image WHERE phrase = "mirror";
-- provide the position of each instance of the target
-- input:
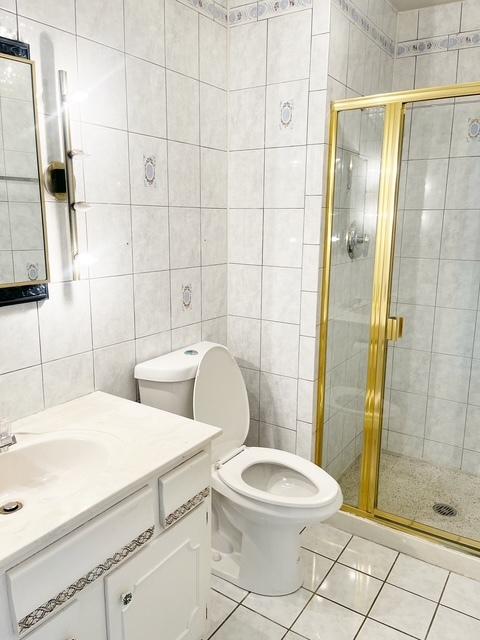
(23, 247)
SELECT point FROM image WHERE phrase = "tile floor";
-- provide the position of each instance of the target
(409, 487)
(352, 588)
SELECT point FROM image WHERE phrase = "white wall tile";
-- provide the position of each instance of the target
(245, 236)
(285, 177)
(407, 25)
(246, 118)
(150, 239)
(19, 337)
(436, 69)
(321, 17)
(288, 55)
(153, 346)
(339, 31)
(105, 181)
(114, 370)
(145, 150)
(277, 437)
(243, 340)
(67, 378)
(213, 173)
(183, 101)
(280, 348)
(214, 236)
(185, 314)
(245, 167)
(181, 38)
(112, 310)
(50, 12)
(213, 117)
(213, 53)
(101, 21)
(439, 20)
(184, 237)
(244, 290)
(278, 400)
(470, 15)
(184, 175)
(281, 294)
(248, 55)
(144, 30)
(286, 114)
(214, 291)
(146, 97)
(21, 393)
(101, 73)
(109, 240)
(152, 303)
(65, 325)
(282, 237)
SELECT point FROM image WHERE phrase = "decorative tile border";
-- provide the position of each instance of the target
(264, 9)
(366, 25)
(451, 42)
(208, 8)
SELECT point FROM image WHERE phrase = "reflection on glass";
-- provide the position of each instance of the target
(357, 175)
(22, 249)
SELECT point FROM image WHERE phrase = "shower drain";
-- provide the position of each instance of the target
(444, 509)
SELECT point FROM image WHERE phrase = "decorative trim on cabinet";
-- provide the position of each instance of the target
(186, 507)
(38, 614)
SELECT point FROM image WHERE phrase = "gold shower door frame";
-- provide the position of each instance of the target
(394, 104)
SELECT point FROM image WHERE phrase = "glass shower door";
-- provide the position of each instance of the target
(350, 258)
(429, 468)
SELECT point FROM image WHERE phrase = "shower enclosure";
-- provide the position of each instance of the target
(399, 390)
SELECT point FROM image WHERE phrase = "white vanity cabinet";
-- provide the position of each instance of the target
(161, 592)
(138, 570)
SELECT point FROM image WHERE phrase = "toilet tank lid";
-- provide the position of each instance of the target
(175, 366)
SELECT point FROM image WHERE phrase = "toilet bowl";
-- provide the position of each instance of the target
(262, 498)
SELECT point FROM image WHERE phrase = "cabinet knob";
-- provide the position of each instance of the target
(127, 598)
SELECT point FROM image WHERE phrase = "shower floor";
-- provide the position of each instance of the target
(409, 488)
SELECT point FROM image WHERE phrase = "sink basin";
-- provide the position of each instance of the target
(40, 461)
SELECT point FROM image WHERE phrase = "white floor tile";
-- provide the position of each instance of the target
(326, 540)
(219, 608)
(325, 620)
(351, 588)
(228, 589)
(369, 557)
(462, 594)
(403, 610)
(420, 577)
(373, 630)
(281, 609)
(315, 568)
(244, 624)
(293, 636)
(452, 625)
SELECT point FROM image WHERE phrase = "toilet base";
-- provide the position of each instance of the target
(264, 559)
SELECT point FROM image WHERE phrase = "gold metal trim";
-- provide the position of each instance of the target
(383, 328)
(394, 328)
(40, 175)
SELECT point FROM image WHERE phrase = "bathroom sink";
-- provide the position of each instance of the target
(63, 462)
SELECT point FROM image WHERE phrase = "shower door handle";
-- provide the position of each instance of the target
(394, 328)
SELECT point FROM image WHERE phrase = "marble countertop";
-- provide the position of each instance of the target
(134, 443)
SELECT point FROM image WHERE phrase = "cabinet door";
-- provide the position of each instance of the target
(81, 619)
(160, 593)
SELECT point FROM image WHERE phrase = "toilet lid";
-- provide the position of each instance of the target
(220, 399)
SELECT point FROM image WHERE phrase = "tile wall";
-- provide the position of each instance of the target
(434, 371)
(148, 91)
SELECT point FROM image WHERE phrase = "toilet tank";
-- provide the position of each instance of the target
(167, 382)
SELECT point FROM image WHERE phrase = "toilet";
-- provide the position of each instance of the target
(262, 498)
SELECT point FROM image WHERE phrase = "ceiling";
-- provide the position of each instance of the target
(405, 5)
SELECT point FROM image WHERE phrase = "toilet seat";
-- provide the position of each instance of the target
(301, 476)
(267, 476)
